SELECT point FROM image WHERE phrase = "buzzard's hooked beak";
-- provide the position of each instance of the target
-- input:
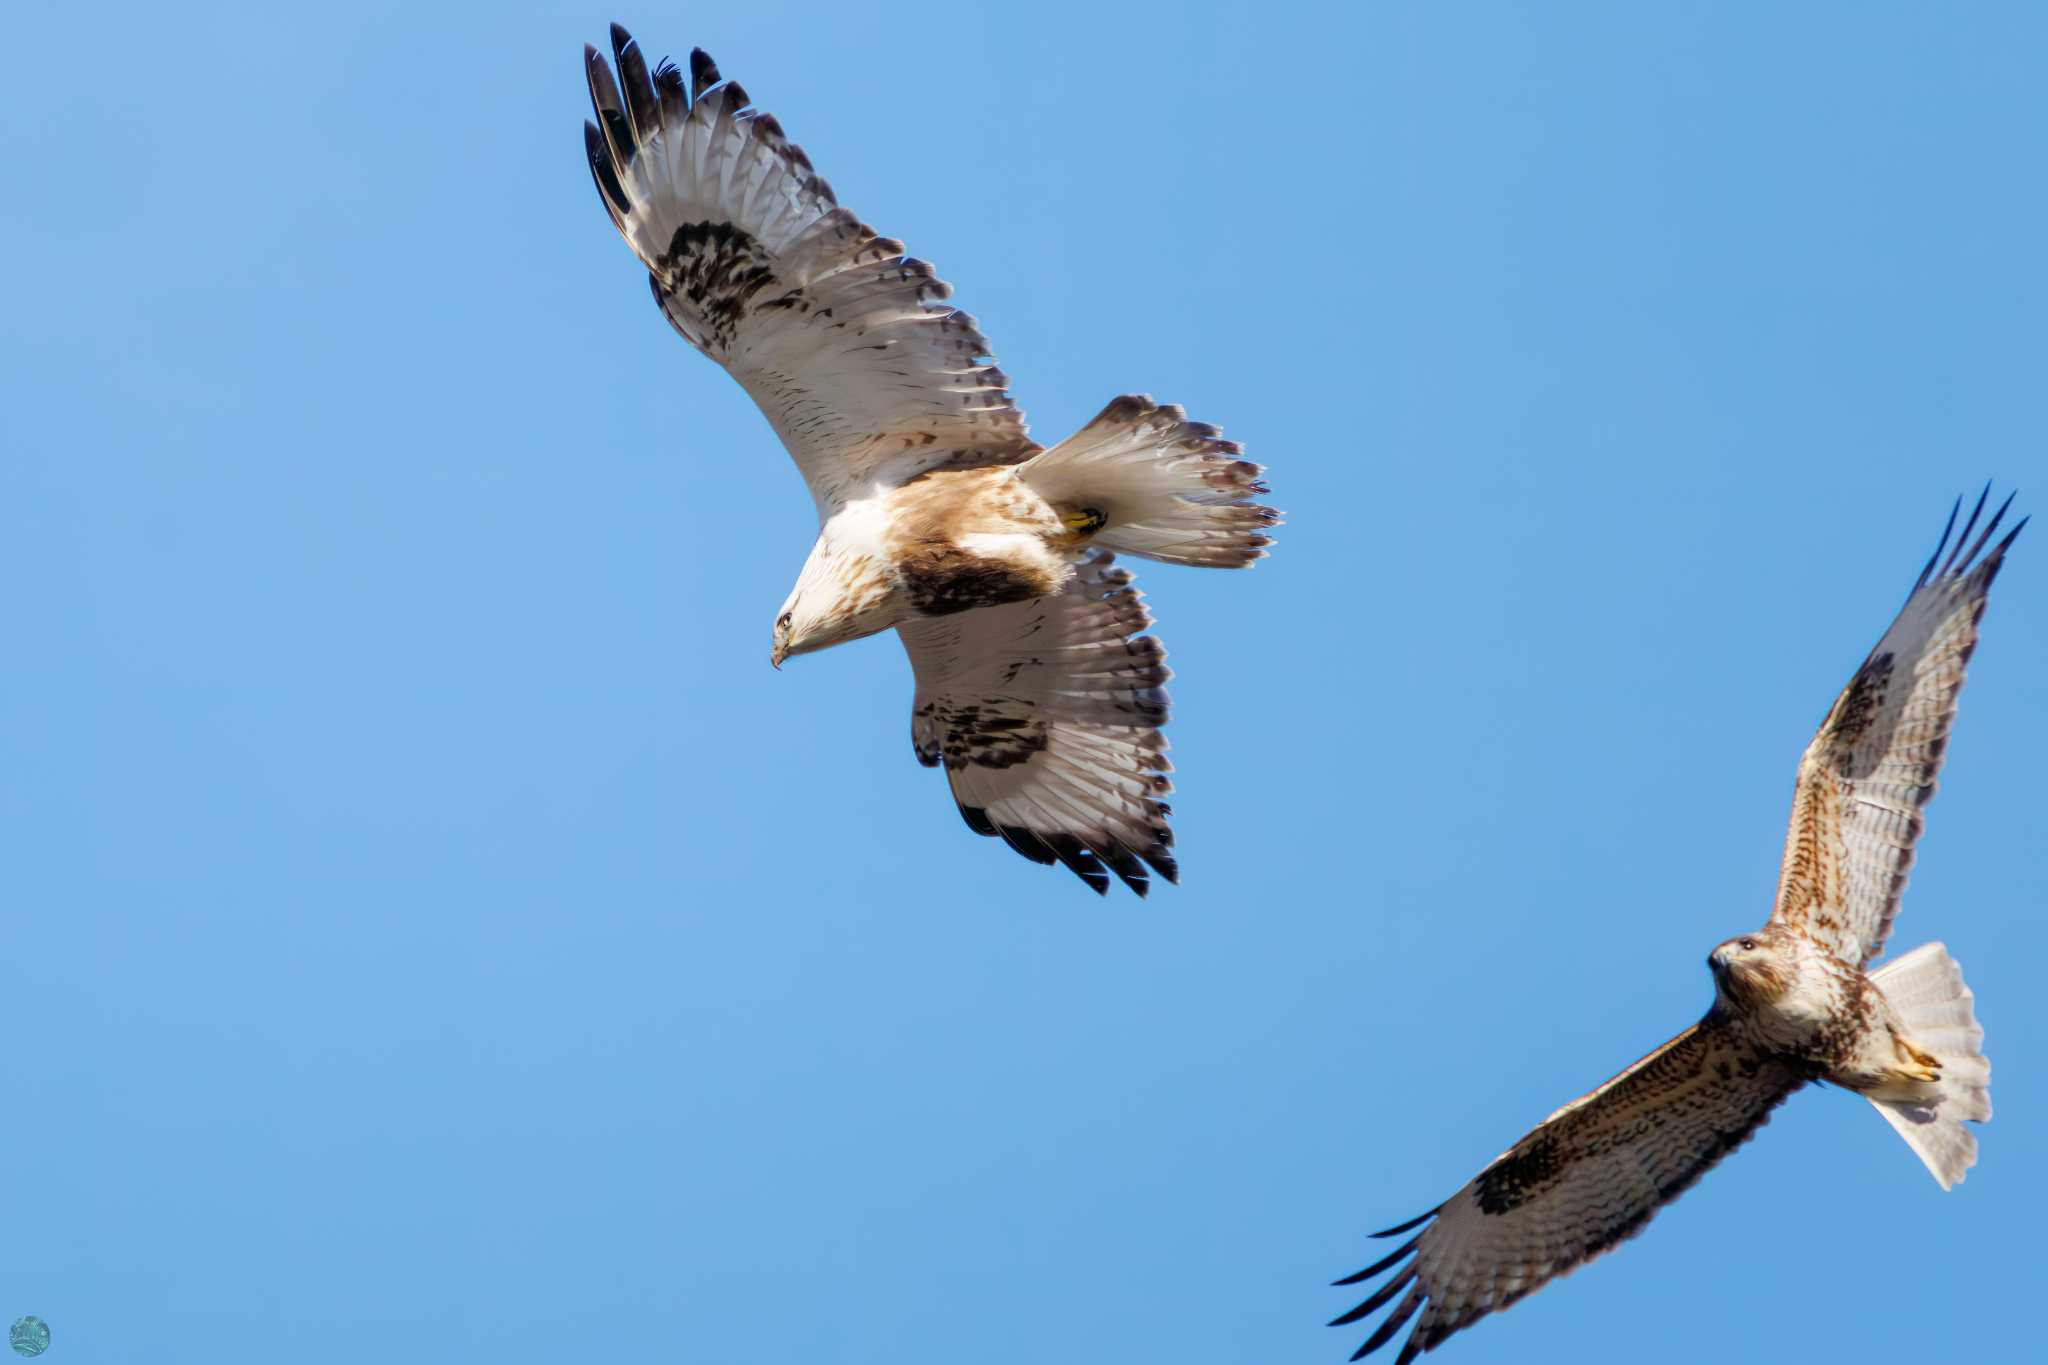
(778, 641)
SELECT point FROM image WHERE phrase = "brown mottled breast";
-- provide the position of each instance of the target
(1859, 1009)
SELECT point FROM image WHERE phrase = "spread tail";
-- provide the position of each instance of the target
(1926, 990)
(1144, 480)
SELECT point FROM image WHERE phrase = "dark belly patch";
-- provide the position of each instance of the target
(940, 579)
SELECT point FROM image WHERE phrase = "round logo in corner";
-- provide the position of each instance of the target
(29, 1336)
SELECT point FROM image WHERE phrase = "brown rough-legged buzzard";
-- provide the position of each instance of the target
(938, 515)
(1792, 1004)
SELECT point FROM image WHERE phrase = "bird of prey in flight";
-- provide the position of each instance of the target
(1794, 1002)
(938, 516)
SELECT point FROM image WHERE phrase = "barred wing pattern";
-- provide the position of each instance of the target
(1046, 716)
(1585, 1179)
(1856, 803)
(844, 342)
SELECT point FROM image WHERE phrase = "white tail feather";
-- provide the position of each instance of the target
(1927, 994)
(1171, 489)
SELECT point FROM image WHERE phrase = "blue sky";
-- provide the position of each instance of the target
(434, 932)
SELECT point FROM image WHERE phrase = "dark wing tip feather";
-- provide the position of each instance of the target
(1414, 1222)
(1404, 1279)
(1384, 1263)
(1378, 1300)
(1027, 842)
(621, 42)
(1969, 556)
(1078, 860)
(1165, 864)
(1927, 569)
(1962, 552)
(1395, 1320)
(670, 92)
(2010, 537)
(604, 173)
(703, 73)
(1091, 862)
(608, 107)
(642, 106)
(1126, 865)
(1968, 526)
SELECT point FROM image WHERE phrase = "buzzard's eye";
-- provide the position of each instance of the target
(1748, 945)
(782, 621)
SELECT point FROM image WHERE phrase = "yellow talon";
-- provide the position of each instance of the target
(1085, 521)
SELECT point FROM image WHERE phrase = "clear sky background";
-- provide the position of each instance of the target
(433, 933)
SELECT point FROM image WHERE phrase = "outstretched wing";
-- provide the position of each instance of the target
(843, 340)
(1856, 804)
(1585, 1179)
(1046, 715)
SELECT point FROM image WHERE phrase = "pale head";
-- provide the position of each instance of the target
(842, 594)
(1755, 969)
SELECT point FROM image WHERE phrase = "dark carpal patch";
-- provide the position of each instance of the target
(1860, 703)
(982, 734)
(717, 269)
(1521, 1175)
(941, 578)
